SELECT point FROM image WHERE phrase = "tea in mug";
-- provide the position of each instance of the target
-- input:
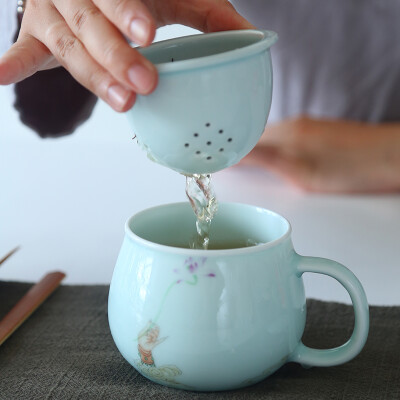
(232, 244)
(221, 245)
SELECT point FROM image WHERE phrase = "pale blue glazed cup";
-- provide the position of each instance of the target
(212, 100)
(218, 319)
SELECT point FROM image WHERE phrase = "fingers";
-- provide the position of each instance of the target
(296, 168)
(86, 37)
(23, 59)
(293, 131)
(71, 53)
(107, 47)
(204, 15)
(221, 16)
(329, 156)
(78, 36)
(131, 17)
(303, 170)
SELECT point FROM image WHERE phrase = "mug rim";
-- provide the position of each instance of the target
(268, 38)
(209, 252)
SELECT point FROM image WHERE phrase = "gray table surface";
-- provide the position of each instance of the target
(65, 351)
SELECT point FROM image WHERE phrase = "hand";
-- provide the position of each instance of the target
(87, 38)
(331, 156)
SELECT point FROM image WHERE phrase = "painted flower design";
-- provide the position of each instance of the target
(193, 269)
(149, 337)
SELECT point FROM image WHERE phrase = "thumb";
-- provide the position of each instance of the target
(263, 156)
(25, 57)
(207, 15)
(298, 168)
(225, 18)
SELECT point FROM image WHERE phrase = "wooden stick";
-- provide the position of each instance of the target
(28, 304)
(8, 255)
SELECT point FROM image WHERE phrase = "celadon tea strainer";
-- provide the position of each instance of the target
(212, 101)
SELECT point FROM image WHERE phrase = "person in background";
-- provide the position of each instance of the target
(334, 124)
(335, 117)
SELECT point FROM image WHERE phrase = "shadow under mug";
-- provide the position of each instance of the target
(219, 319)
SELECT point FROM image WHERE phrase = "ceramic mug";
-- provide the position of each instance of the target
(218, 319)
(211, 103)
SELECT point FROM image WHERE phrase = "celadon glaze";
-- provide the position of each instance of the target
(218, 319)
(211, 103)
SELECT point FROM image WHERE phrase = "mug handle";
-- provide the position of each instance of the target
(325, 358)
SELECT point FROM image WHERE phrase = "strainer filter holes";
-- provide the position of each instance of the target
(208, 143)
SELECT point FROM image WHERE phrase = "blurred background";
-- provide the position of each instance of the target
(65, 201)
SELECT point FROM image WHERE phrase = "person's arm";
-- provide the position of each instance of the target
(87, 37)
(332, 156)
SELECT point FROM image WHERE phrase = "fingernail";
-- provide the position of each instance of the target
(140, 31)
(118, 96)
(141, 77)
